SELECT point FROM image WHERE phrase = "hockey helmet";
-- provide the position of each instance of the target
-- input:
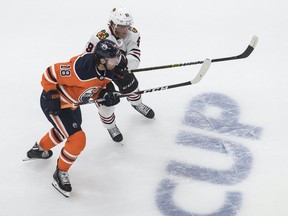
(107, 49)
(121, 16)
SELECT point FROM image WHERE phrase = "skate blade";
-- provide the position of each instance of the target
(30, 159)
(64, 193)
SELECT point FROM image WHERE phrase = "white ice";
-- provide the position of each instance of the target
(215, 148)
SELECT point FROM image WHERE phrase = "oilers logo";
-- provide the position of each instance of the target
(86, 95)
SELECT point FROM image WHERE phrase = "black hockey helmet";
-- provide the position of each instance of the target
(106, 49)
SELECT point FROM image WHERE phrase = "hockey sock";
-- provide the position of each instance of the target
(72, 149)
(50, 140)
(107, 116)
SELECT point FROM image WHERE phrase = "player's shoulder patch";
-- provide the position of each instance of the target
(133, 30)
(102, 34)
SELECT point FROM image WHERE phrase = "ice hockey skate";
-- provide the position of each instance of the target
(37, 153)
(61, 182)
(115, 134)
(145, 110)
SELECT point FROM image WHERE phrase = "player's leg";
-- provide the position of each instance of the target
(128, 83)
(107, 117)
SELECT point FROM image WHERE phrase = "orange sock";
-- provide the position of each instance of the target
(73, 147)
(51, 139)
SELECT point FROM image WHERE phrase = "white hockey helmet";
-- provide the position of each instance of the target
(121, 16)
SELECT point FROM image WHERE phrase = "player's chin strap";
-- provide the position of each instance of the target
(204, 68)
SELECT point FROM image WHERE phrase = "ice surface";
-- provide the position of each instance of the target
(215, 148)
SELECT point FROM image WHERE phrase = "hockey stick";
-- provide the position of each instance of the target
(245, 54)
(204, 68)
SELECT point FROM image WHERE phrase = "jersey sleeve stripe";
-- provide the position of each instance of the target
(134, 56)
(135, 53)
(135, 50)
(53, 72)
(48, 78)
(50, 75)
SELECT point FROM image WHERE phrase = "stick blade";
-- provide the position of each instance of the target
(249, 49)
(254, 41)
(204, 68)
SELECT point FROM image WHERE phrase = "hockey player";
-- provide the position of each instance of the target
(85, 76)
(119, 29)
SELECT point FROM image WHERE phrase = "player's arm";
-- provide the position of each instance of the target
(50, 93)
(49, 79)
(58, 74)
(110, 95)
(133, 50)
(91, 44)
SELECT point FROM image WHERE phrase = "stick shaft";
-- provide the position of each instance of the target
(204, 68)
(245, 54)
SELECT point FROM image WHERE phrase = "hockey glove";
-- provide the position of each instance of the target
(121, 69)
(52, 98)
(111, 99)
(119, 73)
(127, 83)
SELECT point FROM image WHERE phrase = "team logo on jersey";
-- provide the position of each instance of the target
(102, 34)
(86, 95)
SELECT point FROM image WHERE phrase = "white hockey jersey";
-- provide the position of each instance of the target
(130, 45)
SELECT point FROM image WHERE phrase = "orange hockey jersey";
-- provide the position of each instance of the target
(76, 80)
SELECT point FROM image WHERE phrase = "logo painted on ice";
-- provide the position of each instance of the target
(225, 120)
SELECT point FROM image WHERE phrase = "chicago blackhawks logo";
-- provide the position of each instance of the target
(102, 35)
(134, 30)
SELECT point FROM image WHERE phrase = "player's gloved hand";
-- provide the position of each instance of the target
(111, 98)
(121, 69)
(120, 73)
(126, 84)
(52, 98)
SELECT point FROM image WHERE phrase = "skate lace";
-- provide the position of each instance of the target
(64, 177)
(114, 131)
